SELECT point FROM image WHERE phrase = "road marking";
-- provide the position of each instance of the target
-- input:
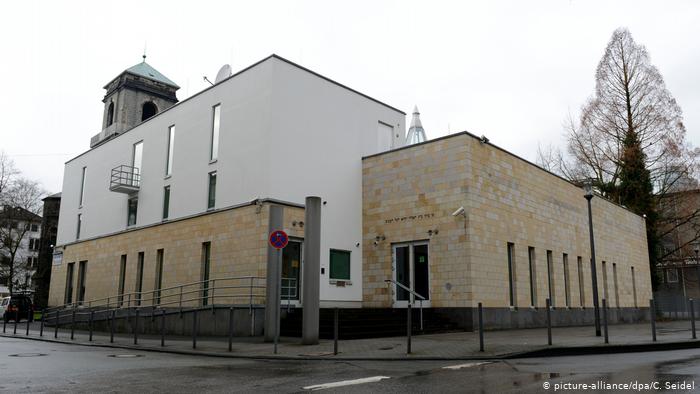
(467, 365)
(324, 386)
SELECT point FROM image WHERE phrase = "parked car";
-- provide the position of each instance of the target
(17, 307)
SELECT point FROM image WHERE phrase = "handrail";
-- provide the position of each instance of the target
(405, 288)
(198, 293)
(420, 301)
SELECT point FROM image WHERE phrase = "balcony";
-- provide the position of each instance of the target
(125, 179)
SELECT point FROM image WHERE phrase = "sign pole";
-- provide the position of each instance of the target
(279, 299)
(276, 219)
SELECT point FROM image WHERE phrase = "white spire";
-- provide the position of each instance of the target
(416, 134)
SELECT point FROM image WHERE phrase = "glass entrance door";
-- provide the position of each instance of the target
(411, 269)
(291, 272)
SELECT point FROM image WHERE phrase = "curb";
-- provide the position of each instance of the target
(542, 352)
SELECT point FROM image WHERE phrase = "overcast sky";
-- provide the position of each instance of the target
(511, 70)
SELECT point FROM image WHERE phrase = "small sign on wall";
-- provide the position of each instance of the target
(57, 258)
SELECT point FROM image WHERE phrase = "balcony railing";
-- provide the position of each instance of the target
(125, 179)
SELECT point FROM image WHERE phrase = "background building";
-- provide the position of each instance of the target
(20, 233)
(49, 230)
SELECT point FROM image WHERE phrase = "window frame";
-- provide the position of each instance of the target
(332, 279)
(215, 133)
(128, 211)
(82, 187)
(170, 151)
(166, 202)
(211, 194)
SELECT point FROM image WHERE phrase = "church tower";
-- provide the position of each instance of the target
(135, 95)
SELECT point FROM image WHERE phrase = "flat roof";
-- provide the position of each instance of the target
(273, 56)
(502, 150)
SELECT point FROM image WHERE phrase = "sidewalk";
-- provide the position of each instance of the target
(458, 345)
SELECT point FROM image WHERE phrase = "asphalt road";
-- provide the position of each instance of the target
(34, 366)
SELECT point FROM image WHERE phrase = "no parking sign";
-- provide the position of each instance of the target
(279, 239)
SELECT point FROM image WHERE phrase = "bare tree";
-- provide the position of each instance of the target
(20, 205)
(7, 173)
(630, 96)
(631, 103)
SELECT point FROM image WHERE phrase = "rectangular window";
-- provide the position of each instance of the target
(617, 291)
(385, 137)
(136, 161)
(211, 200)
(672, 275)
(340, 264)
(80, 223)
(132, 211)
(82, 271)
(581, 292)
(82, 187)
(511, 275)
(69, 283)
(139, 278)
(606, 296)
(35, 228)
(171, 144)
(533, 276)
(550, 278)
(166, 202)
(216, 121)
(567, 284)
(122, 279)
(159, 275)
(634, 288)
(204, 276)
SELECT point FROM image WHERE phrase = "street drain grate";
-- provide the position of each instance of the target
(386, 348)
(28, 355)
(125, 355)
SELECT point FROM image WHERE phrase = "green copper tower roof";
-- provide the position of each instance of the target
(145, 70)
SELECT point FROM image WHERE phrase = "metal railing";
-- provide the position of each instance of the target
(125, 179)
(412, 302)
(246, 290)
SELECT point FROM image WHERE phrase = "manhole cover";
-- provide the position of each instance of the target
(28, 355)
(125, 355)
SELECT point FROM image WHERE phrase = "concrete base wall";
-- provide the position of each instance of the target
(505, 318)
(210, 321)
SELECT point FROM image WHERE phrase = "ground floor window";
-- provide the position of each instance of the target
(291, 271)
(340, 264)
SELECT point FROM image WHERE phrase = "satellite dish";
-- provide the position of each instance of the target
(224, 72)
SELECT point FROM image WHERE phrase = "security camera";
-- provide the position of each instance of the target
(484, 140)
(458, 212)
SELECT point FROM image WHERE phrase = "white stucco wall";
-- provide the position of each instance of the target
(285, 133)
